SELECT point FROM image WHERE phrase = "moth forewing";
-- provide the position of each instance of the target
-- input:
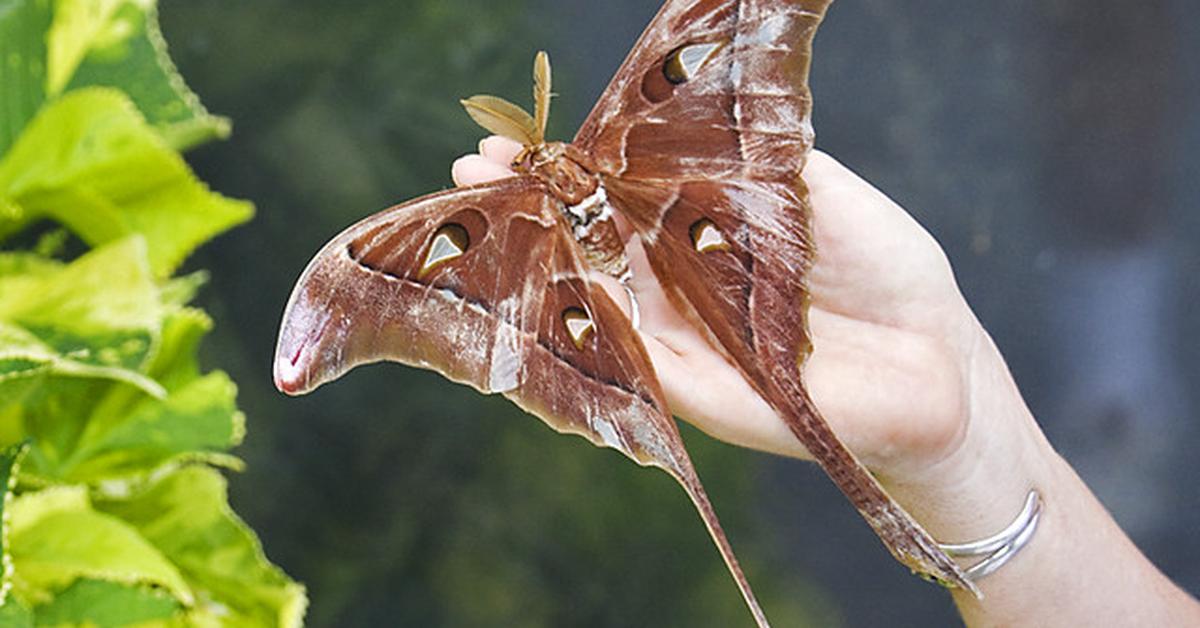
(709, 119)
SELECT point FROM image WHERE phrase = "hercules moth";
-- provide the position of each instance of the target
(697, 144)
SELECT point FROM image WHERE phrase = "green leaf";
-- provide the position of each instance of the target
(23, 355)
(201, 417)
(23, 263)
(198, 420)
(106, 292)
(139, 64)
(58, 538)
(10, 460)
(23, 24)
(92, 431)
(67, 332)
(98, 357)
(175, 363)
(105, 604)
(186, 515)
(14, 615)
(77, 26)
(90, 161)
(98, 316)
(181, 290)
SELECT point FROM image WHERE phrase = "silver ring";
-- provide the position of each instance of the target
(999, 548)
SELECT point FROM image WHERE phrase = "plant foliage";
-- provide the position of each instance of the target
(114, 511)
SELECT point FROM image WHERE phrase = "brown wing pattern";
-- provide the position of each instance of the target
(492, 311)
(486, 286)
(713, 89)
(702, 151)
(744, 288)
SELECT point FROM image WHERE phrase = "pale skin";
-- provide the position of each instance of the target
(910, 380)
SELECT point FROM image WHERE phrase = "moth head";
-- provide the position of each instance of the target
(509, 120)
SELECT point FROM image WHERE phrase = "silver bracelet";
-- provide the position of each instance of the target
(1002, 546)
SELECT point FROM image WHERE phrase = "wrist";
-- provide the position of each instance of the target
(978, 485)
(1077, 552)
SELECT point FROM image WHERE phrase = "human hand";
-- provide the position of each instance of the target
(891, 333)
(913, 384)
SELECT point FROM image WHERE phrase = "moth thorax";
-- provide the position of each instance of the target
(596, 232)
(570, 182)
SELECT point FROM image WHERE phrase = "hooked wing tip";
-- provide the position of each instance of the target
(297, 353)
(291, 368)
(290, 376)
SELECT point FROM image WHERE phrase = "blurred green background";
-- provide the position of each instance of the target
(1050, 148)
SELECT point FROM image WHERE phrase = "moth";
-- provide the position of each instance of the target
(698, 144)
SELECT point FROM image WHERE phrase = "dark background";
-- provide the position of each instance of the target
(1051, 147)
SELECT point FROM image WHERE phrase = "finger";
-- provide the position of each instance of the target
(475, 169)
(707, 391)
(499, 149)
(615, 290)
(655, 310)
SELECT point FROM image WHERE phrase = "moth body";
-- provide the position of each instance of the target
(586, 208)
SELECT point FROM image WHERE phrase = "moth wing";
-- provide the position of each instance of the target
(482, 285)
(733, 257)
(717, 88)
(486, 286)
(700, 139)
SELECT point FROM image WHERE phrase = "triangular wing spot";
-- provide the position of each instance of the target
(685, 62)
(450, 241)
(706, 237)
(579, 325)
